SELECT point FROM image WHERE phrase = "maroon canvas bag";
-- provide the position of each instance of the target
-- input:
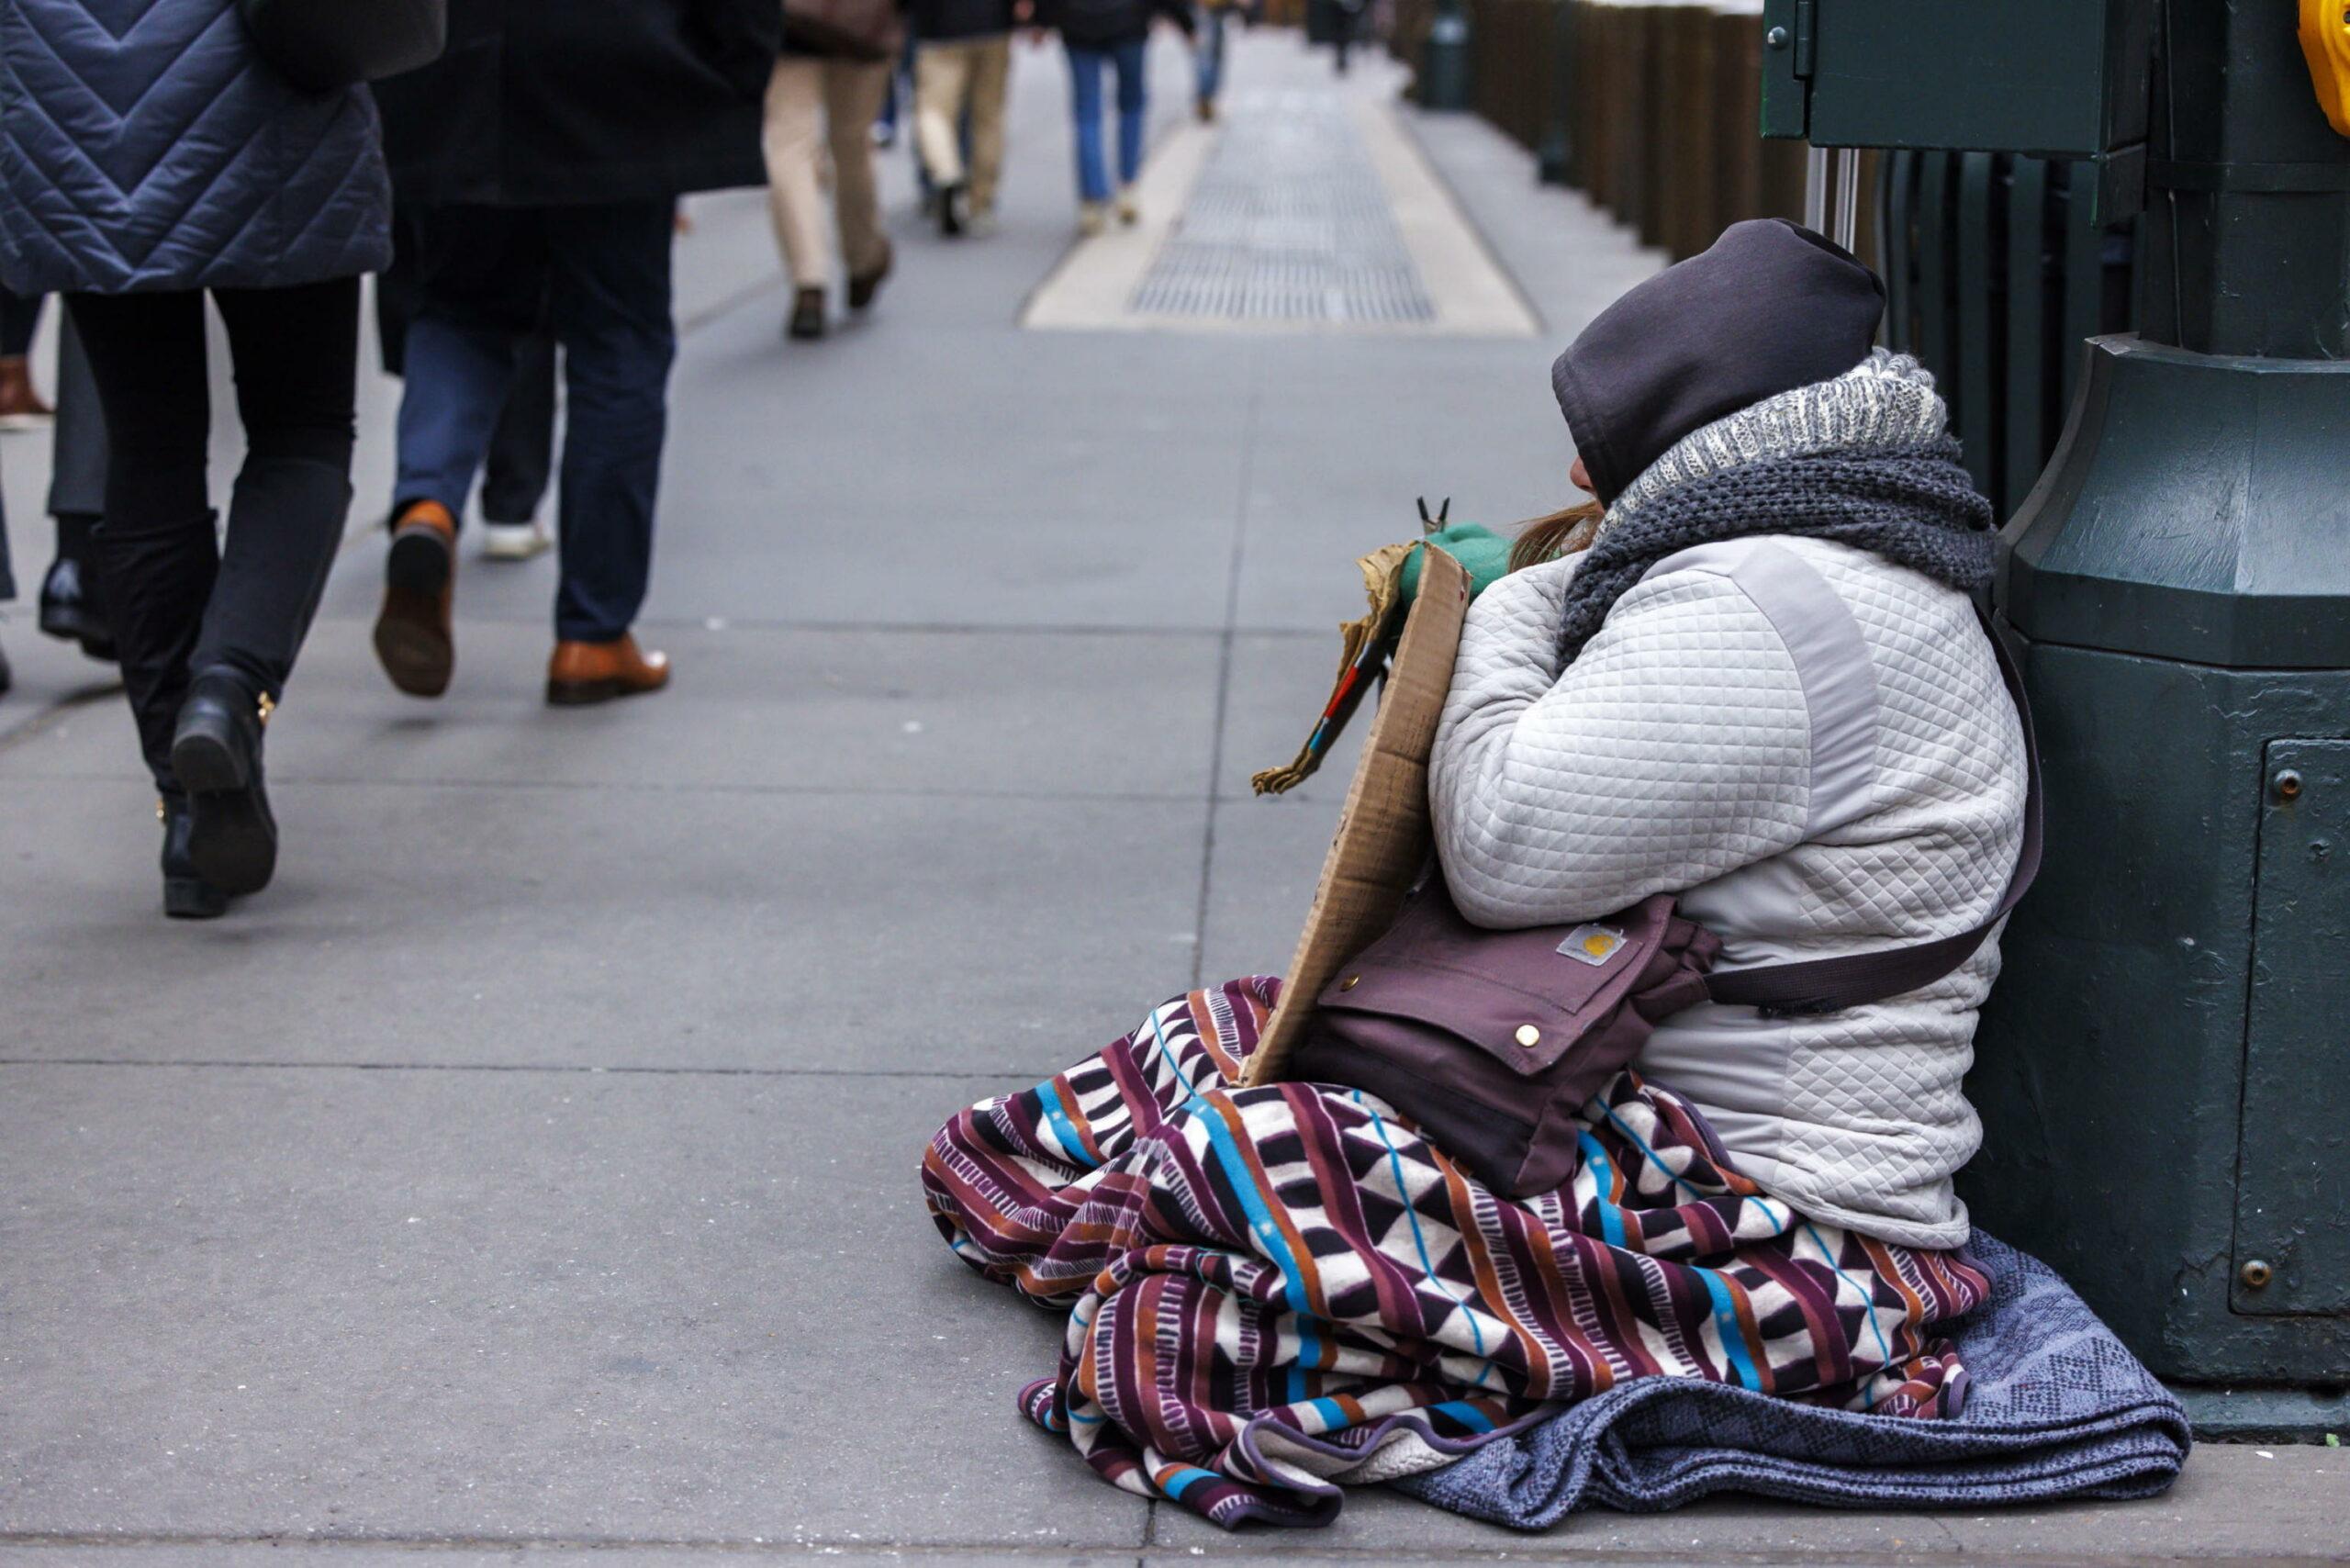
(1492, 1041)
(854, 29)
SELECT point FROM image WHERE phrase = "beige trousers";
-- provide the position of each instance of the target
(811, 104)
(950, 75)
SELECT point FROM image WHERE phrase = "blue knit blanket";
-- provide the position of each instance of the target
(2056, 1408)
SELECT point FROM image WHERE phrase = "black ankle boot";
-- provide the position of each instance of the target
(216, 757)
(71, 610)
(186, 895)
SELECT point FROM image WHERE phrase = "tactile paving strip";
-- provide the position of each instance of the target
(1287, 221)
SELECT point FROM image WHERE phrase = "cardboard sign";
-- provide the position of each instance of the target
(1384, 837)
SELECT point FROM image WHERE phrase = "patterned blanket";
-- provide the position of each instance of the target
(1275, 1291)
(2056, 1408)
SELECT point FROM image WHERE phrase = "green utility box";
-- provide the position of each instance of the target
(2161, 1069)
(2053, 77)
(2164, 1067)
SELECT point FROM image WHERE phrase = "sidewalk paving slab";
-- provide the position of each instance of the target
(1032, 714)
(613, 928)
(535, 1304)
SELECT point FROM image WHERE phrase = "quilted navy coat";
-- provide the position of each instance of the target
(144, 144)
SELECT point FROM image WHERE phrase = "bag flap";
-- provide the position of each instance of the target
(1523, 997)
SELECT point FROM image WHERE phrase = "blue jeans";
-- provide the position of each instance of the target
(597, 278)
(1085, 67)
(1208, 50)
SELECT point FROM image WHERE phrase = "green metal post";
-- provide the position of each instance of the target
(2164, 1071)
(1444, 68)
(1557, 135)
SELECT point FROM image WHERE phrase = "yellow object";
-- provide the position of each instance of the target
(2326, 40)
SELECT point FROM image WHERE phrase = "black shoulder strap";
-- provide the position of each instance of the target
(1853, 980)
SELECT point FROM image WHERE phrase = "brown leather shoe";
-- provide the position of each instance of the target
(412, 634)
(581, 673)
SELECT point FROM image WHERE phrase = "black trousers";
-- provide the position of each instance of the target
(19, 314)
(180, 602)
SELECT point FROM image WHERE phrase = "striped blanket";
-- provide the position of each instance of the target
(1276, 1291)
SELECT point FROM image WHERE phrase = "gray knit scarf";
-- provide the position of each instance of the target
(1865, 459)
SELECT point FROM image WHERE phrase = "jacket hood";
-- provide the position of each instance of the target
(1770, 308)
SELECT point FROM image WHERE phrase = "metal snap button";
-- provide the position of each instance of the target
(1350, 982)
(1529, 1035)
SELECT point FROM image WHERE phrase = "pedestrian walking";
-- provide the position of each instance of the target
(520, 464)
(827, 95)
(543, 155)
(1109, 37)
(962, 67)
(1350, 20)
(1207, 54)
(20, 404)
(72, 594)
(229, 181)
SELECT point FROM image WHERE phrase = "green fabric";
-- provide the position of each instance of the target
(1482, 553)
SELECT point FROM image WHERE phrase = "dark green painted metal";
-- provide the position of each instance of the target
(1783, 97)
(1554, 157)
(2160, 1071)
(2025, 440)
(2264, 1414)
(1936, 318)
(1896, 213)
(2197, 509)
(2239, 262)
(2293, 1177)
(2109, 1065)
(2084, 275)
(1977, 385)
(1444, 61)
(2063, 77)
(1995, 288)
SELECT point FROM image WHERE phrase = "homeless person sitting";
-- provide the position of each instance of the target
(1763, 687)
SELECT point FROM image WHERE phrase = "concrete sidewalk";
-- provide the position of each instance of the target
(533, 1167)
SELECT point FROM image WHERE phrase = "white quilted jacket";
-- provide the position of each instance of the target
(1813, 748)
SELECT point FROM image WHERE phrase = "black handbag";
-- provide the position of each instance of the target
(320, 45)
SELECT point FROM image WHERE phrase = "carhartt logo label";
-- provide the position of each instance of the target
(1593, 944)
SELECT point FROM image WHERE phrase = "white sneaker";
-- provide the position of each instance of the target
(1129, 207)
(515, 541)
(1092, 217)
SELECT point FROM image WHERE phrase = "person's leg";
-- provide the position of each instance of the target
(884, 132)
(481, 292)
(20, 404)
(521, 449)
(73, 593)
(853, 93)
(609, 303)
(990, 79)
(793, 140)
(20, 316)
(155, 548)
(941, 72)
(1131, 58)
(296, 354)
(1208, 57)
(1085, 114)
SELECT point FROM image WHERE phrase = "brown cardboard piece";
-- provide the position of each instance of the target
(1384, 838)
